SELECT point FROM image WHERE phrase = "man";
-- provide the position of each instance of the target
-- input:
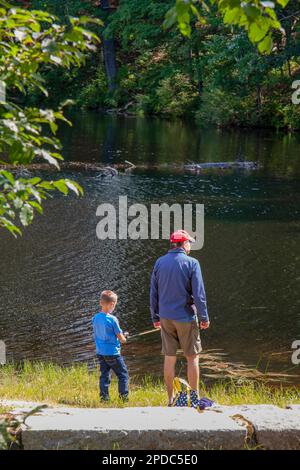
(178, 307)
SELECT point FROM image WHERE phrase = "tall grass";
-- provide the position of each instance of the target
(77, 386)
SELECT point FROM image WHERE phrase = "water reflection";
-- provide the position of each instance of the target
(151, 141)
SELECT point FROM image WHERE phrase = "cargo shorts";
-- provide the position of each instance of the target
(180, 335)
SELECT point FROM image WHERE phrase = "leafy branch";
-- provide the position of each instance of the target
(29, 41)
(257, 17)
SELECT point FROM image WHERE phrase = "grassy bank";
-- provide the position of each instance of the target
(76, 386)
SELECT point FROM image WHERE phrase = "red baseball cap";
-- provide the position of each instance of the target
(181, 236)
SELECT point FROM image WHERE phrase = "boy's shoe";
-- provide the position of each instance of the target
(124, 398)
(104, 398)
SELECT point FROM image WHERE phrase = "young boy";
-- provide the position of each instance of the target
(108, 336)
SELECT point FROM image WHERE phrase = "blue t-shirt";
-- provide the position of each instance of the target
(106, 328)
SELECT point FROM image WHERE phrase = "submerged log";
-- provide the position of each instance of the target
(126, 166)
(222, 166)
(73, 166)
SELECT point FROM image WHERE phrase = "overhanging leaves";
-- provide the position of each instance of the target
(30, 40)
(257, 17)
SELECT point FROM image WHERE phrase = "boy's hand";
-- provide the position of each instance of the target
(126, 334)
(157, 324)
(122, 338)
(204, 325)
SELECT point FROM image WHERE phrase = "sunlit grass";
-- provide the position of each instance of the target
(251, 392)
(77, 386)
(3, 409)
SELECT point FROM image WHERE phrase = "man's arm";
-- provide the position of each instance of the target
(198, 292)
(154, 297)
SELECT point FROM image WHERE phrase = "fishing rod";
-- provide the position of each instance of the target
(143, 333)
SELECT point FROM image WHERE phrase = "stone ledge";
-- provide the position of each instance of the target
(220, 427)
(131, 428)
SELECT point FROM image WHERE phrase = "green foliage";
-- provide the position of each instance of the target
(257, 17)
(8, 426)
(224, 74)
(143, 104)
(291, 116)
(24, 196)
(65, 9)
(214, 70)
(93, 95)
(3, 434)
(176, 95)
(223, 109)
(29, 41)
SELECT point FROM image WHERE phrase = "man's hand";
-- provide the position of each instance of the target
(204, 325)
(157, 325)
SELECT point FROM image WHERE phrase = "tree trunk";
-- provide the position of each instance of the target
(199, 72)
(109, 53)
(258, 98)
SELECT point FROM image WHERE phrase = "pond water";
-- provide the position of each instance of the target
(50, 279)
